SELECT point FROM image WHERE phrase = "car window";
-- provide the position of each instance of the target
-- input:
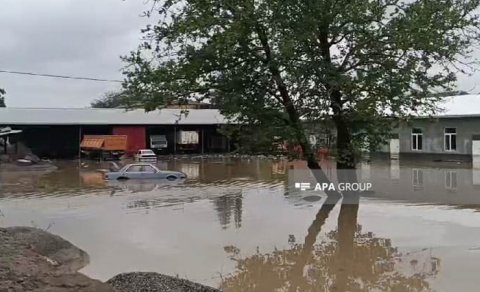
(134, 168)
(148, 169)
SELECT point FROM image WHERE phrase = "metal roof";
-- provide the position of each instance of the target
(460, 106)
(453, 106)
(93, 116)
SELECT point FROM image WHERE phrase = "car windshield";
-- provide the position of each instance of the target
(159, 139)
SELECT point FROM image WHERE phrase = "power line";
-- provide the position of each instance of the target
(60, 76)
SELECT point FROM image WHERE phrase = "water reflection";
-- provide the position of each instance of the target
(229, 206)
(73, 178)
(448, 183)
(192, 170)
(415, 182)
(348, 259)
(244, 210)
(140, 186)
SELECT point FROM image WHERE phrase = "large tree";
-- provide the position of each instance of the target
(284, 62)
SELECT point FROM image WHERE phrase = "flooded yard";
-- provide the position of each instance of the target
(237, 224)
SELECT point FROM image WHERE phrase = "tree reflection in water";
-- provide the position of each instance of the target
(348, 259)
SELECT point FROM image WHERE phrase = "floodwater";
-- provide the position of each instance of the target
(239, 225)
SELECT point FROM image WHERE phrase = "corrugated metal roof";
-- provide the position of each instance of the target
(90, 116)
(454, 106)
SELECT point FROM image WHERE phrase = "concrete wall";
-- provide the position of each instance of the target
(433, 135)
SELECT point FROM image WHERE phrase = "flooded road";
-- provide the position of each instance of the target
(237, 224)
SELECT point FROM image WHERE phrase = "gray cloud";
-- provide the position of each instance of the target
(74, 37)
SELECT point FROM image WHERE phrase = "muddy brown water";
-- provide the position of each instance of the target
(238, 224)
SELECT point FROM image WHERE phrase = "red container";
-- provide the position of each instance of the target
(136, 137)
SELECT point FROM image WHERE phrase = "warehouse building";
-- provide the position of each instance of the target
(452, 133)
(59, 132)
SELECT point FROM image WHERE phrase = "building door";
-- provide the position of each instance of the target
(394, 148)
(476, 151)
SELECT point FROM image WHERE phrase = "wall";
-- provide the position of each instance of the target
(433, 135)
(136, 137)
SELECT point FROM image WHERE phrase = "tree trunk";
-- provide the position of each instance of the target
(290, 109)
(345, 151)
(345, 154)
(287, 102)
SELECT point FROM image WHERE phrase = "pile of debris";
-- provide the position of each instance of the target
(15, 153)
(5, 133)
(29, 159)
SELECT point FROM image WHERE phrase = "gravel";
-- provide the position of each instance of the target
(153, 282)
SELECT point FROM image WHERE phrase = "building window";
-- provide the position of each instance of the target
(417, 139)
(450, 179)
(450, 139)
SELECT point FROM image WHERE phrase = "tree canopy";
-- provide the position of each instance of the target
(285, 62)
(111, 99)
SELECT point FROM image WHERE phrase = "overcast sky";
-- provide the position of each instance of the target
(65, 37)
(73, 37)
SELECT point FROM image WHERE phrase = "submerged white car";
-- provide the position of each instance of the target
(144, 171)
(145, 155)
